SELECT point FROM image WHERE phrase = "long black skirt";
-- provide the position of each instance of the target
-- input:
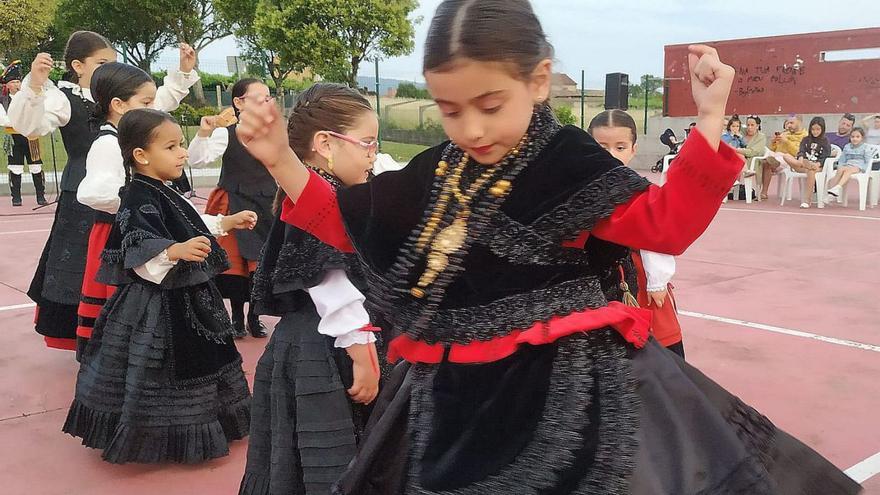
(57, 283)
(586, 415)
(151, 389)
(304, 427)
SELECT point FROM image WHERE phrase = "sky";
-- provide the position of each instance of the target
(604, 36)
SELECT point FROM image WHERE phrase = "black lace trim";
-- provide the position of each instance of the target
(292, 259)
(523, 245)
(593, 203)
(304, 265)
(498, 318)
(591, 361)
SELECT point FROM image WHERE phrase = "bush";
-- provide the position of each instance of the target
(186, 114)
(565, 115)
(409, 90)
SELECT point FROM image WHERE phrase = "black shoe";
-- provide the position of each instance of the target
(238, 326)
(40, 188)
(257, 329)
(15, 188)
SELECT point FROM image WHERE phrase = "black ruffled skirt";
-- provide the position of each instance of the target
(586, 415)
(153, 388)
(304, 427)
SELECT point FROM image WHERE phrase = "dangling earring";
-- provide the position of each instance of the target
(330, 163)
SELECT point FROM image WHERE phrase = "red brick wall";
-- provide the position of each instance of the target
(784, 74)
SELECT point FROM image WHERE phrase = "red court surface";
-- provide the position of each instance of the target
(782, 310)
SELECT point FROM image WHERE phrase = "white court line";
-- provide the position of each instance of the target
(784, 331)
(30, 219)
(25, 231)
(866, 469)
(829, 215)
(17, 306)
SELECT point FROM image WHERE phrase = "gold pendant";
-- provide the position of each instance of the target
(452, 238)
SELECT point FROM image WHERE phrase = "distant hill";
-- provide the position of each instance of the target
(384, 84)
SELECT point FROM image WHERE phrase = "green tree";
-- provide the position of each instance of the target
(26, 23)
(199, 27)
(333, 37)
(565, 115)
(140, 29)
(242, 17)
(655, 83)
(410, 90)
(367, 30)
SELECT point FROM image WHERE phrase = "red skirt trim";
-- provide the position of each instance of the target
(632, 323)
(218, 204)
(94, 293)
(63, 344)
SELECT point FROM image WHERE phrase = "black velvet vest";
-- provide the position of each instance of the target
(517, 271)
(242, 173)
(77, 135)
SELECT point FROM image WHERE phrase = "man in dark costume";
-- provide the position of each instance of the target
(19, 149)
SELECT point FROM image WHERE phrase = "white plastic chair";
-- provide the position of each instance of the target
(874, 185)
(827, 173)
(667, 161)
(786, 181)
(862, 178)
(750, 183)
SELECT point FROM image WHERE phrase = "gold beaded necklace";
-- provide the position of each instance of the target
(451, 238)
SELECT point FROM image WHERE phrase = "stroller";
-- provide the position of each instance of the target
(669, 139)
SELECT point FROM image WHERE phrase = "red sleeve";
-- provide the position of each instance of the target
(668, 219)
(317, 212)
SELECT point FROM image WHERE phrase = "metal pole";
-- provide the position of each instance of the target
(647, 78)
(378, 105)
(583, 94)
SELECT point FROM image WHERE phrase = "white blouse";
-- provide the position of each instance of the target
(341, 309)
(37, 115)
(4, 119)
(659, 269)
(105, 174)
(205, 150)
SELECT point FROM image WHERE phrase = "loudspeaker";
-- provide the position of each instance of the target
(616, 91)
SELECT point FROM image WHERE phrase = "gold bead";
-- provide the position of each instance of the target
(497, 191)
(417, 293)
(503, 184)
(439, 172)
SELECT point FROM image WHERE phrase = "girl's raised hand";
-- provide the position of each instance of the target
(207, 125)
(187, 58)
(40, 69)
(263, 131)
(711, 81)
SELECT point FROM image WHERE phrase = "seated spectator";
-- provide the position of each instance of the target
(872, 135)
(813, 151)
(733, 134)
(754, 143)
(856, 158)
(844, 127)
(788, 142)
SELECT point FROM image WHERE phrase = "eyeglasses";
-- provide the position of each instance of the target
(369, 147)
(257, 98)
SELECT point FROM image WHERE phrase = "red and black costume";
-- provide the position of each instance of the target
(528, 376)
